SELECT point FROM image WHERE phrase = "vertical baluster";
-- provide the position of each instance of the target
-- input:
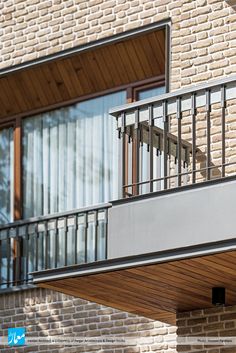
(223, 106)
(106, 232)
(96, 234)
(26, 247)
(165, 142)
(36, 246)
(86, 237)
(150, 110)
(66, 240)
(208, 117)
(137, 151)
(17, 258)
(47, 246)
(76, 238)
(179, 141)
(56, 243)
(193, 113)
(8, 256)
(123, 146)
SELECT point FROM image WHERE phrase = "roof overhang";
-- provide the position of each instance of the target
(82, 72)
(157, 285)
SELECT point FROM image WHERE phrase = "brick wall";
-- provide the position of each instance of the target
(203, 31)
(215, 322)
(45, 313)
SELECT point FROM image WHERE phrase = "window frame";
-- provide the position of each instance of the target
(16, 123)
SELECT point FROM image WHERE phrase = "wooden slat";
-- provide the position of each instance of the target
(86, 74)
(158, 291)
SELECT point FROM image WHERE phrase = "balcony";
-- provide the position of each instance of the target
(170, 238)
(63, 239)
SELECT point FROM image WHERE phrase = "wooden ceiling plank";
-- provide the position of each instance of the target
(68, 81)
(71, 291)
(14, 87)
(59, 81)
(107, 75)
(36, 82)
(171, 276)
(9, 107)
(108, 59)
(120, 64)
(213, 269)
(93, 70)
(151, 57)
(135, 60)
(158, 50)
(143, 57)
(43, 87)
(121, 49)
(122, 294)
(74, 78)
(113, 296)
(51, 83)
(175, 291)
(134, 289)
(161, 38)
(83, 77)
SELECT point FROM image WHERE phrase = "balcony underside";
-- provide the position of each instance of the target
(157, 291)
(92, 69)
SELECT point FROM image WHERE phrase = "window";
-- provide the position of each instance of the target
(70, 157)
(151, 92)
(66, 158)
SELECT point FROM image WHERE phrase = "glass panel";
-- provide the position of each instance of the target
(151, 92)
(71, 157)
(6, 175)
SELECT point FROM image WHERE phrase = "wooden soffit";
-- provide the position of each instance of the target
(86, 73)
(157, 291)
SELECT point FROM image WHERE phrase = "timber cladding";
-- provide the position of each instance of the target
(82, 76)
(157, 291)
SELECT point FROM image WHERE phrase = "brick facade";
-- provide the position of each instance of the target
(215, 322)
(203, 38)
(48, 313)
(203, 47)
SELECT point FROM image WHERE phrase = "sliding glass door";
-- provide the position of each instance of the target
(71, 157)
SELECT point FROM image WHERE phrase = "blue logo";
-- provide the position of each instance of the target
(16, 336)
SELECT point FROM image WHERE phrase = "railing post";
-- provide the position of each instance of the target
(208, 118)
(179, 141)
(137, 153)
(56, 243)
(193, 113)
(123, 156)
(76, 238)
(96, 235)
(165, 142)
(66, 240)
(223, 106)
(150, 111)
(85, 237)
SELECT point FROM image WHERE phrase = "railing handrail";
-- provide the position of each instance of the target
(166, 96)
(54, 216)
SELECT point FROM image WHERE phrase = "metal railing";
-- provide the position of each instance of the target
(179, 138)
(63, 239)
